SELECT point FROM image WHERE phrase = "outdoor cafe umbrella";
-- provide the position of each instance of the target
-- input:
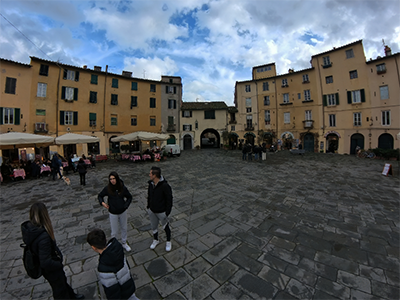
(141, 136)
(73, 138)
(12, 140)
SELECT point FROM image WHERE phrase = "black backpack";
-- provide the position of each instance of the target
(31, 261)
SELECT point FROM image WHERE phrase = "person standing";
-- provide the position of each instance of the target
(113, 269)
(159, 205)
(116, 205)
(56, 165)
(38, 232)
(82, 171)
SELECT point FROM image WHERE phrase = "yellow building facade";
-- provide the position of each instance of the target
(341, 102)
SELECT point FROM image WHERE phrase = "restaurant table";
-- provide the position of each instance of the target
(44, 169)
(19, 173)
(87, 161)
(146, 156)
(135, 157)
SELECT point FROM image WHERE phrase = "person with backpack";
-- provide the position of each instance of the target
(38, 236)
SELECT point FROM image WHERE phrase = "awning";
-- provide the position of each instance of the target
(249, 133)
(268, 133)
(12, 140)
(73, 138)
(233, 134)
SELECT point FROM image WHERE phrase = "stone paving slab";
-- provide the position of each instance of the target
(318, 226)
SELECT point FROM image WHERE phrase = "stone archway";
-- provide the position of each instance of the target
(210, 138)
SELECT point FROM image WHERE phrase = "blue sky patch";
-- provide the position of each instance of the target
(308, 36)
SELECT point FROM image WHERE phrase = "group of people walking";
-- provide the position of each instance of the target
(113, 270)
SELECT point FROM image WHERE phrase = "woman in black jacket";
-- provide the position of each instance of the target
(38, 232)
(116, 205)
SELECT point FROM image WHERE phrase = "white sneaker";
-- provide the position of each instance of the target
(126, 247)
(168, 246)
(154, 244)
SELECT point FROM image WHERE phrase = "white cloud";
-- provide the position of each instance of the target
(150, 68)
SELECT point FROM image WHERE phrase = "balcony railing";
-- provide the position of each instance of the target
(171, 127)
(248, 128)
(308, 124)
(232, 122)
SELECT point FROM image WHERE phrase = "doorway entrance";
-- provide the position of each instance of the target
(187, 142)
(309, 142)
(357, 139)
(385, 141)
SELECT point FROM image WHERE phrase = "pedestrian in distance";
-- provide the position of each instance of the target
(55, 166)
(159, 205)
(113, 269)
(244, 152)
(38, 232)
(117, 203)
(82, 171)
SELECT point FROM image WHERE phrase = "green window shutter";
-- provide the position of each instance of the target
(65, 74)
(362, 95)
(76, 75)
(174, 104)
(75, 93)
(348, 97)
(337, 98)
(1, 115)
(174, 89)
(92, 116)
(75, 118)
(93, 80)
(324, 100)
(134, 86)
(63, 92)
(114, 83)
(17, 114)
(61, 117)
(166, 89)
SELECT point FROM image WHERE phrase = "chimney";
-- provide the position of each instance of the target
(127, 74)
(85, 67)
(388, 51)
(97, 68)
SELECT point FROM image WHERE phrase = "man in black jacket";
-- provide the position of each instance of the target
(159, 205)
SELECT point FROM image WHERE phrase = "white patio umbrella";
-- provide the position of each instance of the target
(73, 138)
(141, 136)
(13, 140)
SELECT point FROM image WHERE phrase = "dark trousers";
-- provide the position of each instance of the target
(83, 179)
(59, 285)
(55, 171)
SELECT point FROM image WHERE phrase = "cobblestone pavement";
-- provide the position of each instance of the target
(317, 226)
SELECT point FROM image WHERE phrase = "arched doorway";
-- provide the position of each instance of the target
(187, 142)
(233, 140)
(114, 146)
(249, 138)
(210, 138)
(357, 139)
(171, 140)
(332, 143)
(385, 141)
(309, 142)
(287, 140)
(268, 138)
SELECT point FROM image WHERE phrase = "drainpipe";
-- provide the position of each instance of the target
(104, 104)
(323, 109)
(57, 101)
(276, 105)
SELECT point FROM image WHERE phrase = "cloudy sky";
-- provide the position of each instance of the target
(210, 44)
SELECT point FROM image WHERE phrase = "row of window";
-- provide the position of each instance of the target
(208, 114)
(385, 118)
(71, 118)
